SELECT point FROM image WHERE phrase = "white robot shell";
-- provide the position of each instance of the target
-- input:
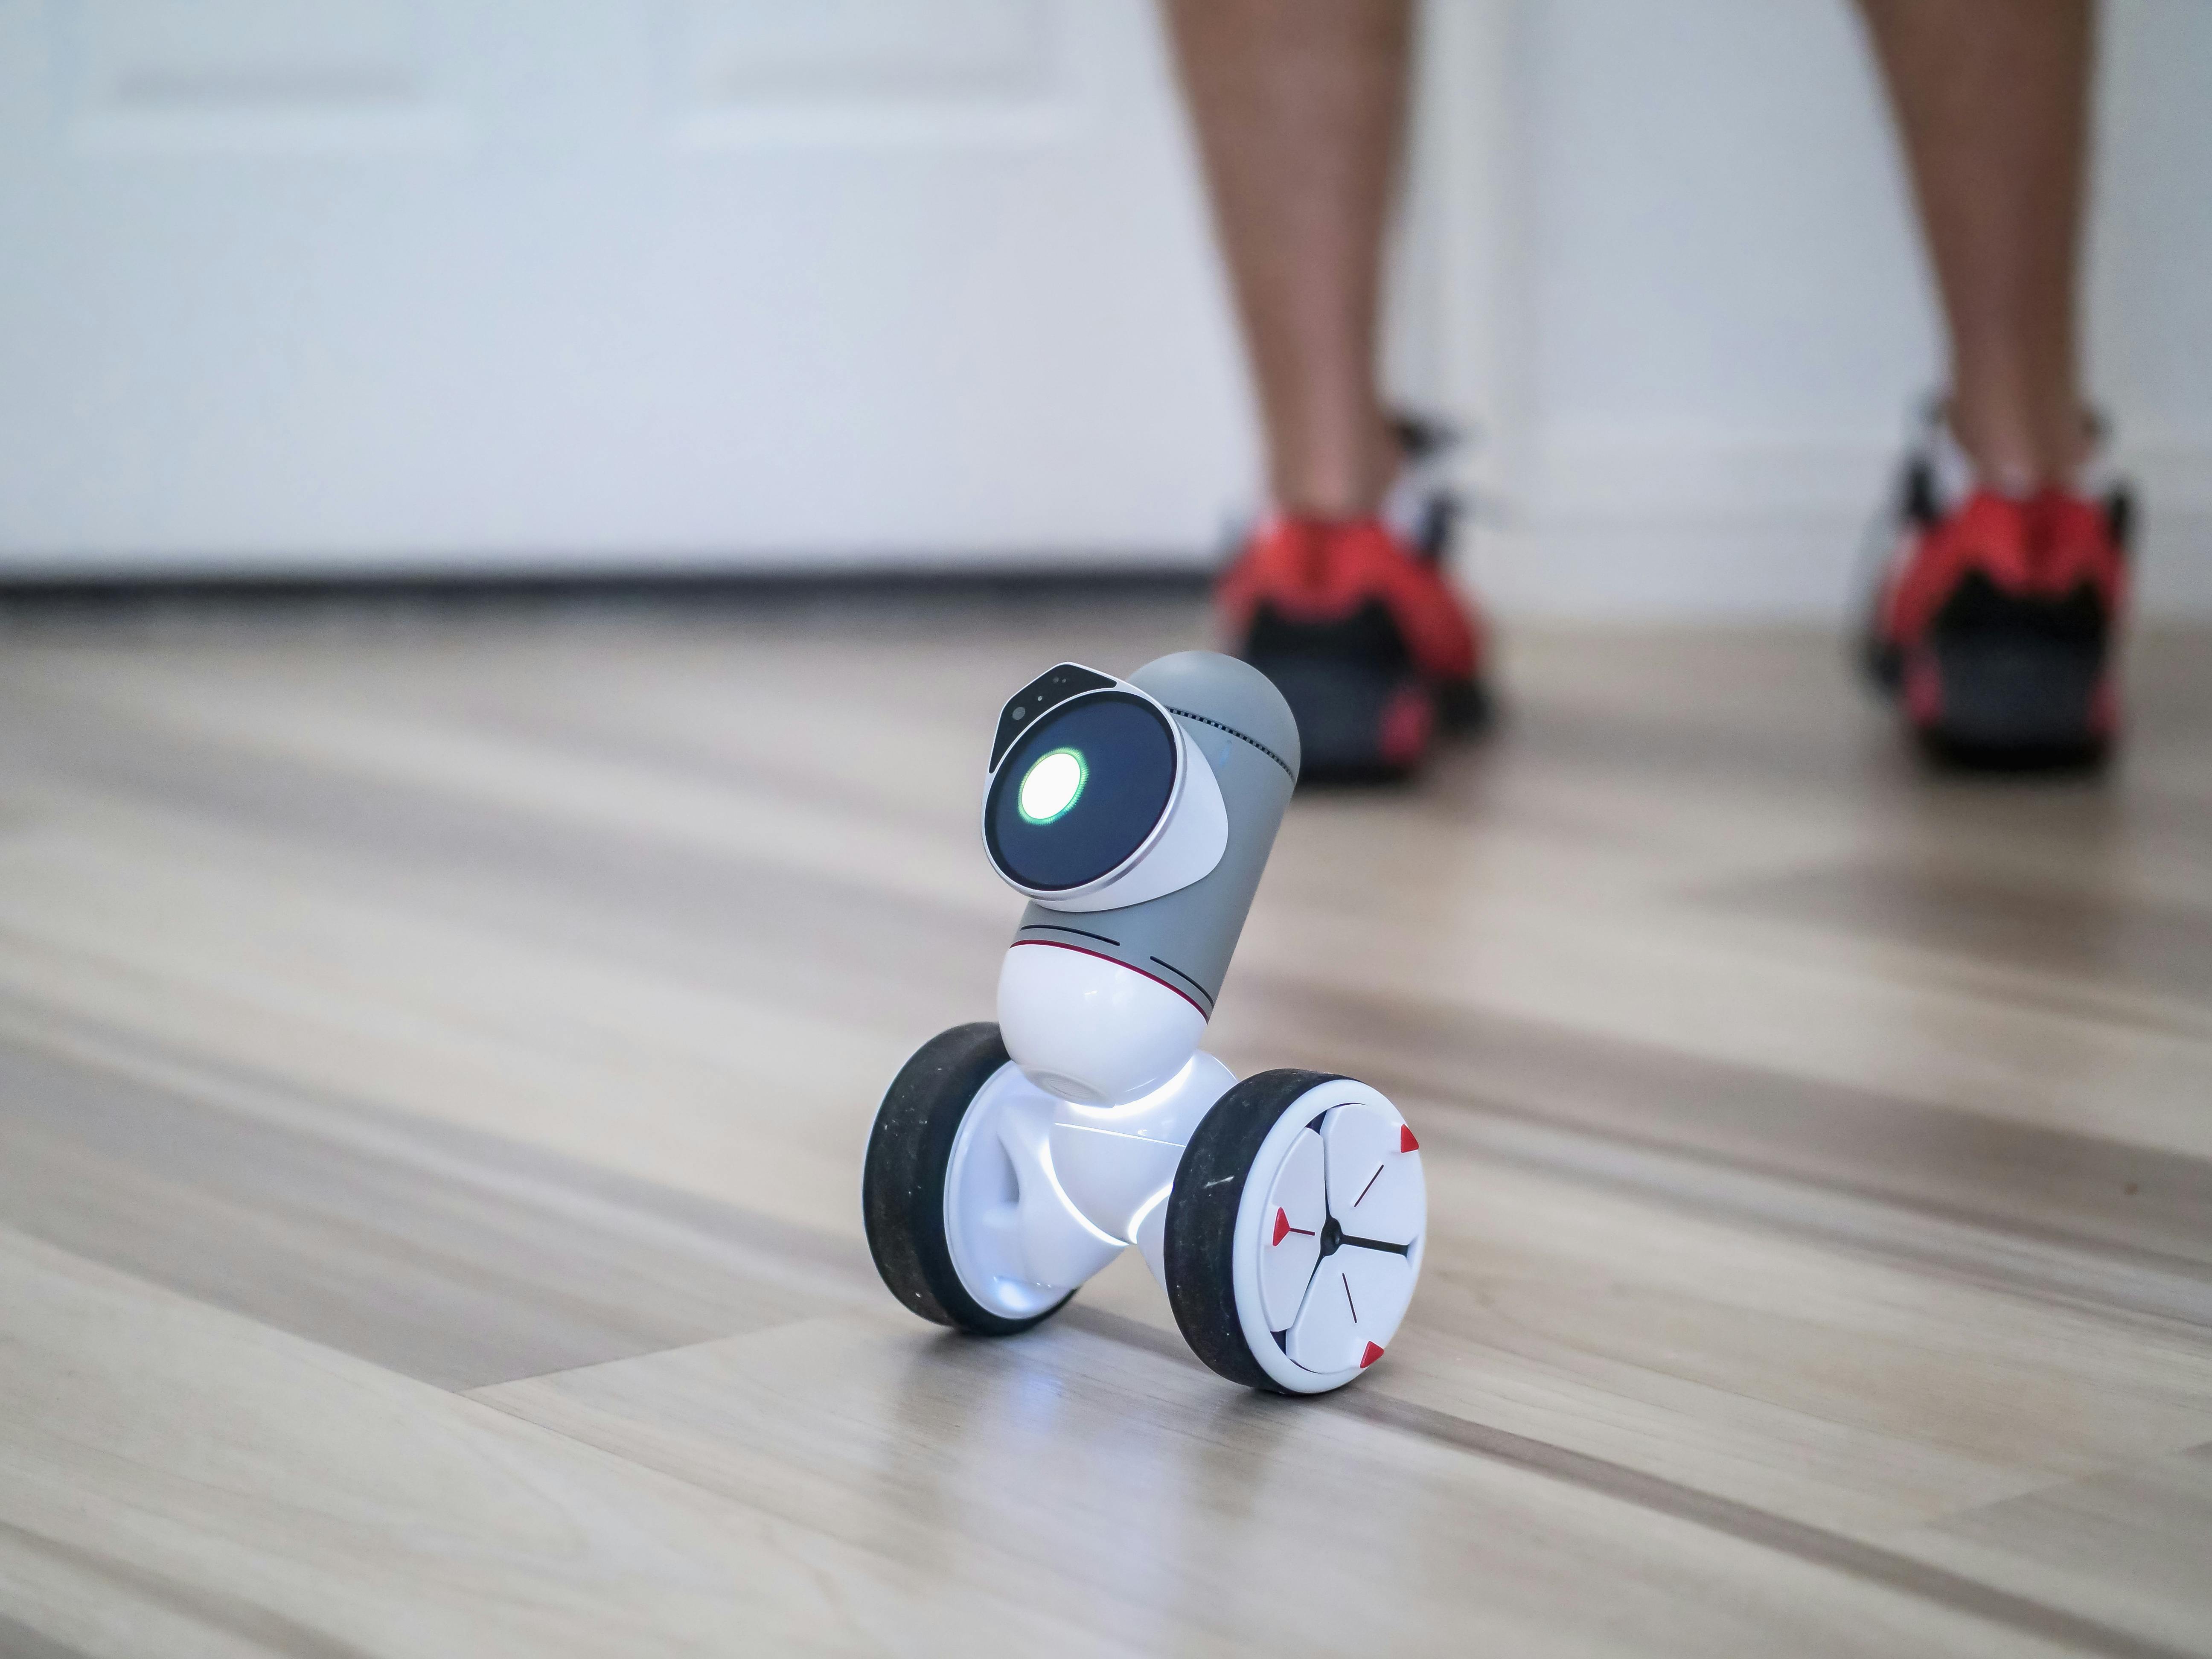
(1009, 1162)
(1089, 1030)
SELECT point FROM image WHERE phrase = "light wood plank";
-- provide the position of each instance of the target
(2129, 1545)
(1832, 1387)
(173, 1478)
(1125, 1487)
(1823, 1192)
(462, 1264)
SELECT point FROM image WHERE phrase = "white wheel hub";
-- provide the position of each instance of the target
(1328, 1236)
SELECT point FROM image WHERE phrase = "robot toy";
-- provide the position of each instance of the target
(1284, 1215)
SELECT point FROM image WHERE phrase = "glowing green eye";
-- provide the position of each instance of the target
(1052, 785)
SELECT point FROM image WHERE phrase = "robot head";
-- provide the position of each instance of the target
(1150, 803)
(1097, 799)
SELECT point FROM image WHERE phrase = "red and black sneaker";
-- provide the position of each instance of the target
(1996, 625)
(1363, 635)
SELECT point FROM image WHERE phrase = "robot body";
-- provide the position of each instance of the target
(1115, 1026)
(1011, 1162)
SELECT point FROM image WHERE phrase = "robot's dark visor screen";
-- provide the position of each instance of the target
(1079, 791)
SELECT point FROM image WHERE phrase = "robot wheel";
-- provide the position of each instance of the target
(909, 1175)
(1295, 1231)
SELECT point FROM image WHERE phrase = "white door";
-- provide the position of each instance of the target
(406, 284)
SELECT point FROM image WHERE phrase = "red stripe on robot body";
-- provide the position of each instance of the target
(1055, 944)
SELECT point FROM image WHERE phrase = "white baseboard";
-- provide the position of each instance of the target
(1642, 526)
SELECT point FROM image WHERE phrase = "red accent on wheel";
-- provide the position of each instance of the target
(1367, 1359)
(1406, 1141)
(1282, 1226)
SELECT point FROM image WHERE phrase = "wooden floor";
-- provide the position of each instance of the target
(435, 1051)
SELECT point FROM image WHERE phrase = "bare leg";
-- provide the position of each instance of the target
(1300, 105)
(1992, 99)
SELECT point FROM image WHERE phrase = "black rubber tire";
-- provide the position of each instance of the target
(1200, 1249)
(902, 1180)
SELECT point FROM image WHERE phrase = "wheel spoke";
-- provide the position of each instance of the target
(1375, 1189)
(1357, 1300)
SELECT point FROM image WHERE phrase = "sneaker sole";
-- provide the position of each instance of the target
(1344, 711)
(2004, 684)
(1463, 708)
(2014, 704)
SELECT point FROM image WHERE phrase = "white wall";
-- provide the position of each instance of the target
(1715, 314)
(343, 285)
(420, 282)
